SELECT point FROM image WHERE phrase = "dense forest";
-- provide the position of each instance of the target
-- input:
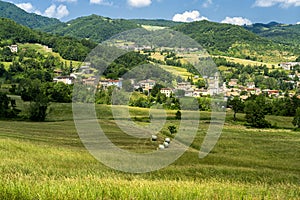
(11, 11)
(92, 27)
(280, 33)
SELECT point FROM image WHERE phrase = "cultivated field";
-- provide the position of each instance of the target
(48, 161)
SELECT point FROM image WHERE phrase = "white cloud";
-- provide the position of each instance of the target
(57, 11)
(101, 2)
(281, 3)
(189, 16)
(28, 7)
(236, 21)
(207, 3)
(139, 3)
(298, 23)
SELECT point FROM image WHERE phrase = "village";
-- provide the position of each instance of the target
(214, 85)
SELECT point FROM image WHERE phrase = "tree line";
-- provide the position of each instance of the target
(256, 107)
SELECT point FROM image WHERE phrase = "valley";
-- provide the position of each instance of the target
(237, 86)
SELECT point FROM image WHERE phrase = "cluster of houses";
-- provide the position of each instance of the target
(289, 65)
(214, 86)
(234, 89)
(134, 47)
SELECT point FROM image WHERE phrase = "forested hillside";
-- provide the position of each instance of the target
(11, 11)
(235, 41)
(156, 22)
(94, 27)
(69, 48)
(281, 33)
(216, 36)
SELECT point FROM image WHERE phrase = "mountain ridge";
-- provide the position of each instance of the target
(31, 20)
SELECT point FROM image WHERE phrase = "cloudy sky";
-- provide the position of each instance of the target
(227, 11)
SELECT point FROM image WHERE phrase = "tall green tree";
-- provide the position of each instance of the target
(38, 108)
(237, 105)
(255, 115)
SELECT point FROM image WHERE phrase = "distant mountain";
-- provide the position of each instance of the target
(11, 11)
(236, 41)
(281, 33)
(217, 36)
(156, 22)
(94, 27)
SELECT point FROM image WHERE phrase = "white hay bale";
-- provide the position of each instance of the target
(154, 138)
(168, 140)
(166, 144)
(161, 147)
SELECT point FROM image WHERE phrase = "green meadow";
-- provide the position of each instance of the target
(48, 161)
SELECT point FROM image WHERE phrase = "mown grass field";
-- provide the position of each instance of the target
(250, 62)
(177, 71)
(48, 161)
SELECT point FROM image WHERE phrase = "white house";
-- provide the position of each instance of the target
(166, 91)
(13, 48)
(147, 84)
(64, 79)
(90, 81)
(289, 65)
(109, 82)
(200, 92)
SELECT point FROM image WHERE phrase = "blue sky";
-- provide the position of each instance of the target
(226, 11)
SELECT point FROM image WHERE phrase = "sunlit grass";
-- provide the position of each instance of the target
(48, 161)
(250, 62)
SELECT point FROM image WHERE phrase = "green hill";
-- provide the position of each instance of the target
(216, 36)
(156, 22)
(94, 27)
(281, 33)
(11, 11)
(236, 41)
(69, 48)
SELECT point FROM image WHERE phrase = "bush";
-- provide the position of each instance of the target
(172, 129)
(38, 109)
(255, 115)
(178, 115)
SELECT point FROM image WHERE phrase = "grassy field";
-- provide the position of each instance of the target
(250, 62)
(48, 161)
(177, 71)
(44, 50)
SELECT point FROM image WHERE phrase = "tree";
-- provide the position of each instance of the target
(7, 107)
(236, 105)
(38, 108)
(35, 92)
(172, 129)
(178, 115)
(156, 89)
(296, 120)
(255, 115)
(61, 93)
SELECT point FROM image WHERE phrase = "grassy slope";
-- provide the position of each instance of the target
(48, 161)
(41, 49)
(249, 62)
